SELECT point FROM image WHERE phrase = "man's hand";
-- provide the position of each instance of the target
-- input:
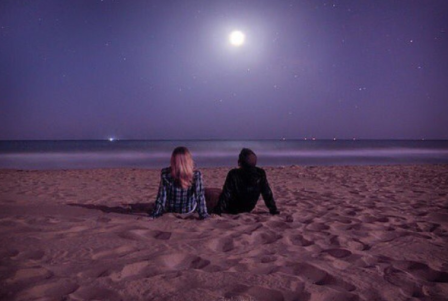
(274, 212)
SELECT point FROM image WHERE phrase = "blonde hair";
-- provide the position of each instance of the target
(182, 167)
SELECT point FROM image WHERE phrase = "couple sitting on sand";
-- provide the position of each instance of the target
(181, 189)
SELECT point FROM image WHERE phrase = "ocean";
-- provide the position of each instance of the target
(212, 153)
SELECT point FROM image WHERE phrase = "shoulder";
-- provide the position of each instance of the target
(233, 172)
(166, 173)
(260, 171)
(197, 176)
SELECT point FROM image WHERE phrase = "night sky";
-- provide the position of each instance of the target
(166, 69)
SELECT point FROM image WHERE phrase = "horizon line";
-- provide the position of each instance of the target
(312, 139)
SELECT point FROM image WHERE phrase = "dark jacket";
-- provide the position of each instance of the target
(242, 189)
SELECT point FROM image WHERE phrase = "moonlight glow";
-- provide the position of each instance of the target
(237, 38)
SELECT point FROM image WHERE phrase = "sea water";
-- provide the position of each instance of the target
(212, 153)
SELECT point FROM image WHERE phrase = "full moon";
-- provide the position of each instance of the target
(236, 38)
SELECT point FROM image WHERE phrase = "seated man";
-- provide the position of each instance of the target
(243, 187)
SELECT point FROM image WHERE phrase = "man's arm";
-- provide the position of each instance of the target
(268, 197)
(224, 198)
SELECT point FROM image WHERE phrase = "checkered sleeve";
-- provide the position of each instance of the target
(202, 207)
(161, 199)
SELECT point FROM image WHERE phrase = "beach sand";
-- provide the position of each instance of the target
(344, 233)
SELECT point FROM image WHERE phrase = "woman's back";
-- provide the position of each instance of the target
(181, 189)
(179, 199)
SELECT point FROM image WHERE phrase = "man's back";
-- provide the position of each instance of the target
(242, 190)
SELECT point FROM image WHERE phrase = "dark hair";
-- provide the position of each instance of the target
(247, 158)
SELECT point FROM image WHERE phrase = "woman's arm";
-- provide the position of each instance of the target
(161, 199)
(202, 207)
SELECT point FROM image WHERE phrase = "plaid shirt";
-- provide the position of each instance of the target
(172, 198)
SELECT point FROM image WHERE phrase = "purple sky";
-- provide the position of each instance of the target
(165, 69)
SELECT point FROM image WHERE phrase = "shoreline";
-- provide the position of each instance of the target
(228, 167)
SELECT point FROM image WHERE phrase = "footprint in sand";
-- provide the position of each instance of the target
(438, 217)
(8, 223)
(344, 220)
(57, 290)
(9, 253)
(129, 270)
(94, 293)
(97, 272)
(252, 266)
(138, 234)
(338, 253)
(426, 226)
(225, 224)
(335, 295)
(314, 275)
(367, 218)
(143, 234)
(77, 229)
(278, 225)
(421, 271)
(161, 235)
(382, 219)
(382, 236)
(243, 292)
(29, 255)
(265, 238)
(404, 282)
(334, 241)
(350, 211)
(134, 269)
(358, 245)
(268, 259)
(224, 244)
(289, 218)
(183, 261)
(264, 294)
(299, 240)
(30, 275)
(317, 227)
(103, 219)
(120, 251)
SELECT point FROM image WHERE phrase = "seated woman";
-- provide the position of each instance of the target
(181, 189)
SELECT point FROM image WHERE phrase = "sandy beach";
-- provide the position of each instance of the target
(344, 233)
